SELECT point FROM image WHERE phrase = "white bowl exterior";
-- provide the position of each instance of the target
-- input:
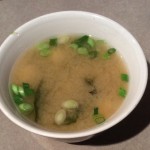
(73, 22)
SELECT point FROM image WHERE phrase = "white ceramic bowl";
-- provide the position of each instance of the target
(73, 22)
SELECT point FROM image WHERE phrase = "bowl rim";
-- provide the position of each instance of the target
(84, 133)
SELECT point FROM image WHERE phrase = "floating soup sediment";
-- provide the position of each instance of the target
(69, 83)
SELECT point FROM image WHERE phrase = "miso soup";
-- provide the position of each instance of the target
(69, 83)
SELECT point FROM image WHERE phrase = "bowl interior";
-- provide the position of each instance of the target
(71, 22)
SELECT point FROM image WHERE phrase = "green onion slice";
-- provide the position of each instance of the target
(82, 51)
(43, 46)
(60, 117)
(45, 52)
(122, 92)
(124, 77)
(91, 42)
(26, 108)
(70, 104)
(21, 91)
(27, 90)
(14, 89)
(81, 41)
(53, 42)
(85, 45)
(98, 118)
(25, 85)
(111, 51)
(17, 99)
(95, 111)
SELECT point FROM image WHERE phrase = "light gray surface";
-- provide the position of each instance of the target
(131, 134)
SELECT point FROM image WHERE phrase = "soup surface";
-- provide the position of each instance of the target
(70, 83)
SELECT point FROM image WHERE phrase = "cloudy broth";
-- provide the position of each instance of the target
(66, 68)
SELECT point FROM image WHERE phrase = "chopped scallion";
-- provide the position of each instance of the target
(14, 89)
(98, 118)
(60, 117)
(43, 46)
(81, 41)
(91, 42)
(82, 51)
(25, 85)
(111, 51)
(124, 77)
(27, 90)
(95, 111)
(70, 104)
(122, 92)
(53, 42)
(18, 100)
(85, 45)
(45, 52)
(26, 108)
(21, 91)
